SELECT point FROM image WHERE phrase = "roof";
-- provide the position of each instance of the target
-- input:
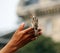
(43, 6)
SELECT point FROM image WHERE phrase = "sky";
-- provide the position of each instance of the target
(8, 17)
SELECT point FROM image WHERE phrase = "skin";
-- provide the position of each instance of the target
(19, 39)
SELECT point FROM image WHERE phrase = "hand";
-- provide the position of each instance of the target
(20, 38)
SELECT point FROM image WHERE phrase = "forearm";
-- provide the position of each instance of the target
(11, 47)
(8, 49)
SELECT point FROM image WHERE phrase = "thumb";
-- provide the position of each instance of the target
(21, 27)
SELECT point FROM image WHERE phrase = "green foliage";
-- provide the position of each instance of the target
(41, 45)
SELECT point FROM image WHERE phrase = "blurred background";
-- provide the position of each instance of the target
(14, 12)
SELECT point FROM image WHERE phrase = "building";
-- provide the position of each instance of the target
(48, 13)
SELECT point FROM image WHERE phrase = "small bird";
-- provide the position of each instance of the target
(35, 24)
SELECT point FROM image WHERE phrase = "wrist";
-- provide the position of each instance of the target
(9, 48)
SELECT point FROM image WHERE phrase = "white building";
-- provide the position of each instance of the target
(48, 13)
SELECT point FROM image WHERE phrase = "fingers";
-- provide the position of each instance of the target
(28, 30)
(32, 31)
(21, 27)
(39, 30)
(28, 36)
(29, 33)
(39, 33)
(34, 38)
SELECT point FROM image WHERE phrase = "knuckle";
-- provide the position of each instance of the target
(22, 32)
